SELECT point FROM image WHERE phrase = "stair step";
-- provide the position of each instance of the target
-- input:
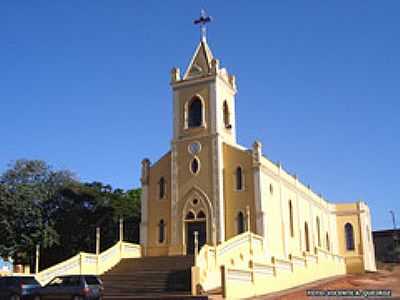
(167, 277)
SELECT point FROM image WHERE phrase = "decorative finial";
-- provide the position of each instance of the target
(203, 20)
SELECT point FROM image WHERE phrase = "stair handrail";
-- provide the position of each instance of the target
(90, 263)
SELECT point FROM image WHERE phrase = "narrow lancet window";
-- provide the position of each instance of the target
(227, 121)
(318, 232)
(306, 236)
(291, 219)
(239, 179)
(161, 231)
(161, 188)
(240, 223)
(349, 234)
(328, 245)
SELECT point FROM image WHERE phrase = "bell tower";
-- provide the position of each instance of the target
(204, 98)
(204, 119)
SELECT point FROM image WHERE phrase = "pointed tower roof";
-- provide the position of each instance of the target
(200, 64)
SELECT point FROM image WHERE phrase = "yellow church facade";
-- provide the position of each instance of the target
(248, 217)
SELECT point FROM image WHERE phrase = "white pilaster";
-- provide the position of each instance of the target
(174, 195)
(176, 115)
(258, 197)
(220, 191)
(282, 203)
(144, 216)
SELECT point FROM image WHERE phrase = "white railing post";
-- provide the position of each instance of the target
(121, 229)
(251, 251)
(196, 247)
(248, 218)
(97, 249)
(121, 237)
(37, 258)
(80, 263)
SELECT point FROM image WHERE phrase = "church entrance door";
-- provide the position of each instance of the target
(191, 227)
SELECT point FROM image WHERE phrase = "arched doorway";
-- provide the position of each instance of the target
(195, 214)
(195, 223)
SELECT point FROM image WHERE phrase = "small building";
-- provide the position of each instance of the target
(387, 245)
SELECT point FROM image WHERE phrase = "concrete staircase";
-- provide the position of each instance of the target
(162, 277)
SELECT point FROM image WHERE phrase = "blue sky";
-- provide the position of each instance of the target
(84, 85)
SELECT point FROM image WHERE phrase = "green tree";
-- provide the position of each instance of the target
(39, 205)
(27, 189)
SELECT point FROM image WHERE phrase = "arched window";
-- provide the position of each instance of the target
(161, 231)
(227, 121)
(291, 219)
(240, 223)
(201, 215)
(349, 234)
(239, 178)
(318, 232)
(190, 216)
(195, 113)
(161, 188)
(328, 245)
(306, 236)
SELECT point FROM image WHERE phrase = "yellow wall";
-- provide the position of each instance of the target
(159, 208)
(362, 257)
(278, 188)
(237, 201)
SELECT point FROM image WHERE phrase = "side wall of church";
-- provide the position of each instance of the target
(237, 201)
(159, 209)
(278, 190)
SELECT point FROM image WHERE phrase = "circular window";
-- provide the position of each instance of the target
(195, 166)
(195, 201)
(194, 148)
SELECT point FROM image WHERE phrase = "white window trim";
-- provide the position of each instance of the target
(199, 165)
(186, 113)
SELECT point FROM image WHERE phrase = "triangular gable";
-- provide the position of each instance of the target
(201, 61)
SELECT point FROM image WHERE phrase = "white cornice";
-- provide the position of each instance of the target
(202, 79)
(295, 189)
(349, 212)
(193, 81)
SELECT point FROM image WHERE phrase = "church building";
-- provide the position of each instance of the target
(207, 189)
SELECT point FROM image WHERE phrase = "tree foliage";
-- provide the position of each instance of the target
(39, 205)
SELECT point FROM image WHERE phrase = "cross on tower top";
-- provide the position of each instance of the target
(203, 20)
